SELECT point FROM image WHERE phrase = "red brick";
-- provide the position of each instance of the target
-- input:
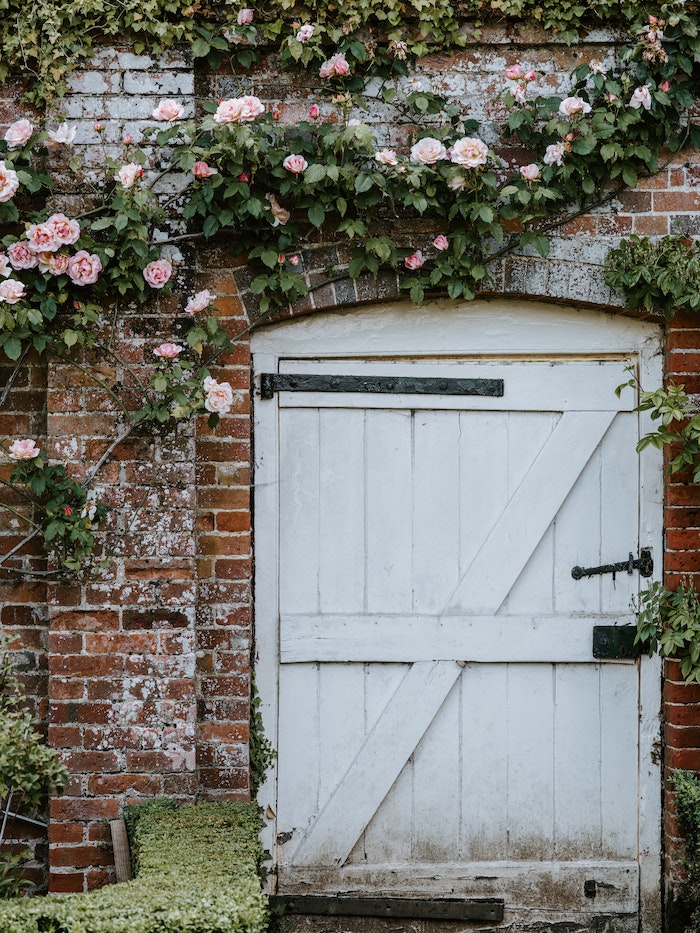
(66, 832)
(80, 665)
(150, 785)
(69, 883)
(66, 808)
(676, 202)
(82, 856)
(91, 762)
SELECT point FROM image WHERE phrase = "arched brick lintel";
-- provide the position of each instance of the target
(566, 282)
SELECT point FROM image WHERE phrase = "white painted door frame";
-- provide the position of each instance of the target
(489, 329)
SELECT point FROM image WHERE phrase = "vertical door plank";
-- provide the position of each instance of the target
(342, 498)
(485, 762)
(436, 508)
(299, 510)
(385, 839)
(578, 542)
(577, 832)
(437, 786)
(483, 478)
(530, 761)
(619, 508)
(619, 715)
(341, 722)
(299, 753)
(389, 511)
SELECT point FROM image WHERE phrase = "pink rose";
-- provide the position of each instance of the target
(514, 72)
(441, 242)
(244, 177)
(530, 75)
(530, 172)
(128, 174)
(666, 87)
(62, 135)
(199, 302)
(278, 212)
(9, 182)
(18, 134)
(305, 33)
(239, 110)
(414, 261)
(24, 450)
(294, 260)
(428, 151)
(640, 98)
(67, 231)
(158, 272)
(128, 139)
(469, 152)
(386, 157)
(12, 291)
(84, 267)
(554, 154)
(245, 17)
(314, 111)
(202, 170)
(219, 396)
(21, 256)
(571, 106)
(520, 92)
(335, 66)
(168, 111)
(5, 267)
(58, 263)
(42, 238)
(295, 164)
(168, 351)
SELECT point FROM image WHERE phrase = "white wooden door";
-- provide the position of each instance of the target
(442, 726)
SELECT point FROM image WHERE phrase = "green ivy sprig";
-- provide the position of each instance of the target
(668, 622)
(679, 425)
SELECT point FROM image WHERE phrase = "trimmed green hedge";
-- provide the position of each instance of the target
(687, 907)
(197, 872)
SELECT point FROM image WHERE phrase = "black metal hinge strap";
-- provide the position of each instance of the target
(409, 385)
(644, 564)
(406, 908)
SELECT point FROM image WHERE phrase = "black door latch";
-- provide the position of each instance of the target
(644, 564)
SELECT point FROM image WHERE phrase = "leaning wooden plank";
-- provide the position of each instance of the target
(120, 845)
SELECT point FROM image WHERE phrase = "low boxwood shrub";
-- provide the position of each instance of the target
(197, 872)
(687, 787)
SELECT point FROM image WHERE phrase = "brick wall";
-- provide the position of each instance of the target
(148, 686)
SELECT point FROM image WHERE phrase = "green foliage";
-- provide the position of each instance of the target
(262, 752)
(29, 769)
(687, 787)
(668, 622)
(661, 276)
(679, 425)
(64, 514)
(49, 38)
(12, 881)
(198, 872)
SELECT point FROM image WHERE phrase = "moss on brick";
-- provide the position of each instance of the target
(198, 872)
